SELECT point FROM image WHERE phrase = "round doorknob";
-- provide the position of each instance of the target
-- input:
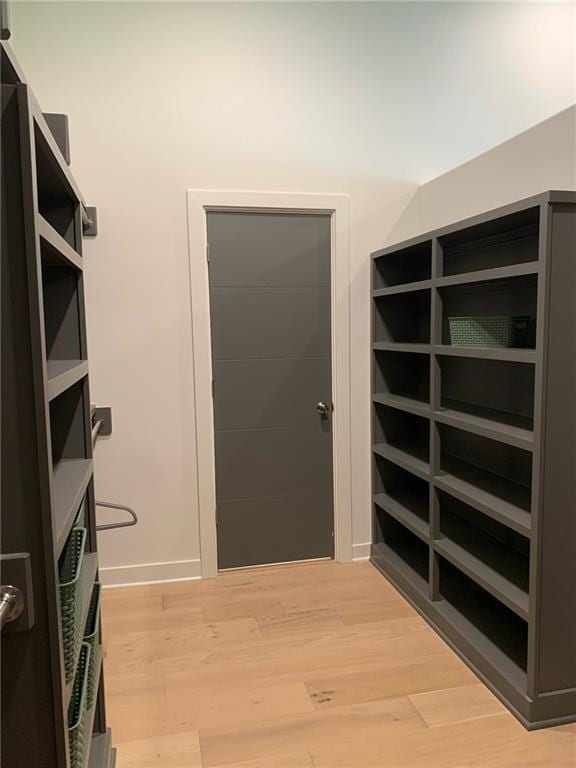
(322, 409)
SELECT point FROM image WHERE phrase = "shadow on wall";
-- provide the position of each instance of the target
(541, 158)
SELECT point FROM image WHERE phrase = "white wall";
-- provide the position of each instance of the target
(365, 99)
(541, 158)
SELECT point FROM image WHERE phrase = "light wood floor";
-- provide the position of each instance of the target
(309, 666)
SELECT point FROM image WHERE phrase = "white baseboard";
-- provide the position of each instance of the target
(150, 573)
(361, 551)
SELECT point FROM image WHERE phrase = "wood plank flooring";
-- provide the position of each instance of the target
(319, 665)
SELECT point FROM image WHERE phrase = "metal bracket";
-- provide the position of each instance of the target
(5, 20)
(16, 571)
(90, 221)
(103, 418)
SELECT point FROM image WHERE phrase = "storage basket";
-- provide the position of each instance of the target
(489, 331)
(77, 736)
(70, 586)
(92, 637)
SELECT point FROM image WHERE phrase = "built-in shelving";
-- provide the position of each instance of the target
(472, 469)
(47, 467)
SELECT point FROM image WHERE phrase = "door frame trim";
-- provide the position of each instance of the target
(199, 203)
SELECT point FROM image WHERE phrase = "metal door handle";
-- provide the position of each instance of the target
(11, 604)
(322, 409)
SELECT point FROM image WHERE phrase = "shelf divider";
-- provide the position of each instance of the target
(512, 354)
(71, 478)
(403, 515)
(403, 459)
(479, 425)
(58, 251)
(62, 374)
(407, 404)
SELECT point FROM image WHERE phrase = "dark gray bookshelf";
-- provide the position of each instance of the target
(47, 465)
(474, 448)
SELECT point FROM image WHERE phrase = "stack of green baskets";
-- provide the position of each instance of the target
(70, 585)
(494, 331)
(77, 736)
(92, 637)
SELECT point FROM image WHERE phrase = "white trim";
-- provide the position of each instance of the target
(150, 573)
(361, 551)
(200, 201)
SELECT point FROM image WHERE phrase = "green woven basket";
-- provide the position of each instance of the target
(484, 331)
(77, 736)
(92, 637)
(70, 585)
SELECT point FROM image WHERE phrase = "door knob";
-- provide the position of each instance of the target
(322, 409)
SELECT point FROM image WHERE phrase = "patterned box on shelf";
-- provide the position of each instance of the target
(489, 331)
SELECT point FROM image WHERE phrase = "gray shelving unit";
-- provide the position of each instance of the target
(474, 448)
(47, 467)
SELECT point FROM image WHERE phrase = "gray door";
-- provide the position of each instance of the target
(271, 330)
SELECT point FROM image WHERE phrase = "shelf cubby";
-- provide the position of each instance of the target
(402, 495)
(488, 469)
(62, 329)
(406, 435)
(492, 396)
(55, 203)
(403, 375)
(492, 554)
(490, 626)
(510, 239)
(403, 318)
(409, 265)
(398, 546)
(510, 297)
(473, 446)
(68, 424)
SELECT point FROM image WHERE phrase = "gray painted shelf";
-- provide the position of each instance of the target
(475, 526)
(47, 465)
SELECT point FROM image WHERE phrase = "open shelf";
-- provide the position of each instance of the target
(399, 547)
(491, 476)
(494, 630)
(499, 242)
(403, 318)
(68, 424)
(487, 353)
(60, 288)
(62, 374)
(409, 265)
(494, 556)
(55, 251)
(403, 495)
(402, 434)
(55, 202)
(491, 397)
(70, 478)
(510, 297)
(403, 375)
